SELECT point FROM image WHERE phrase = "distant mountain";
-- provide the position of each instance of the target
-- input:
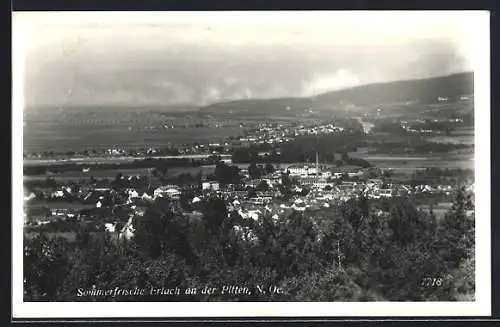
(259, 106)
(424, 91)
(110, 109)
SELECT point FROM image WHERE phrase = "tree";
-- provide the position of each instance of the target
(163, 169)
(151, 229)
(225, 174)
(288, 247)
(345, 157)
(185, 200)
(215, 212)
(387, 173)
(46, 264)
(269, 168)
(254, 171)
(456, 233)
(336, 245)
(51, 183)
(331, 285)
(262, 186)
(251, 192)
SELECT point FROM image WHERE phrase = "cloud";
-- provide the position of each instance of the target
(324, 83)
(161, 65)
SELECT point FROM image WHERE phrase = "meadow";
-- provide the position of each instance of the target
(51, 136)
(76, 176)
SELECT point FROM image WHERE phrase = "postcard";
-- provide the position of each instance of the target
(251, 164)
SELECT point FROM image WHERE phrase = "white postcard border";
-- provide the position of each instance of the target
(477, 23)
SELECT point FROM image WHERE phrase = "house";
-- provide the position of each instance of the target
(299, 205)
(374, 182)
(210, 186)
(166, 191)
(171, 193)
(102, 189)
(146, 197)
(109, 227)
(127, 231)
(245, 233)
(140, 211)
(132, 193)
(385, 193)
(326, 174)
(302, 170)
(313, 180)
(355, 174)
(30, 197)
(57, 194)
(250, 214)
(260, 200)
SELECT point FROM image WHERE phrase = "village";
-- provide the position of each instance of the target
(275, 193)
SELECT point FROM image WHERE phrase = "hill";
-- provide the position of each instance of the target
(423, 91)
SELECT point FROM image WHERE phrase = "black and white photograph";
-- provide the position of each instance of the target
(251, 163)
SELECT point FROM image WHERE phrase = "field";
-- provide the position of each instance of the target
(75, 176)
(408, 163)
(454, 139)
(463, 159)
(59, 205)
(51, 136)
(78, 131)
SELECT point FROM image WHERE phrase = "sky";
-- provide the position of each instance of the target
(80, 59)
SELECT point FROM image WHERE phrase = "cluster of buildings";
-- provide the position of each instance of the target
(283, 132)
(261, 133)
(317, 179)
(309, 187)
(413, 126)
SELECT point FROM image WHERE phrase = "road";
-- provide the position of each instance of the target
(122, 159)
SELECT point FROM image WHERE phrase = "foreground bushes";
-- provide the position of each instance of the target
(347, 253)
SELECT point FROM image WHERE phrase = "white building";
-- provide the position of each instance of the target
(354, 174)
(337, 175)
(166, 191)
(58, 194)
(146, 197)
(385, 193)
(110, 227)
(326, 174)
(133, 194)
(296, 170)
(127, 231)
(210, 186)
(31, 196)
